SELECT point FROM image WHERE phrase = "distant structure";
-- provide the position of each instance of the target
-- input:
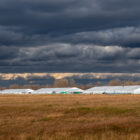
(114, 90)
(17, 91)
(74, 90)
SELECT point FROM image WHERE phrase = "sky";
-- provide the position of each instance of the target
(8, 79)
(69, 36)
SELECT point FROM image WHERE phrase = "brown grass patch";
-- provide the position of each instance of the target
(69, 117)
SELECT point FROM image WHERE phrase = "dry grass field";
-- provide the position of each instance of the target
(69, 117)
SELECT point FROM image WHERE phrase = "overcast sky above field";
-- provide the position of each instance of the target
(70, 36)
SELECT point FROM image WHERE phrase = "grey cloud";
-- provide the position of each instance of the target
(72, 35)
(8, 53)
(126, 37)
(134, 54)
(65, 57)
(69, 57)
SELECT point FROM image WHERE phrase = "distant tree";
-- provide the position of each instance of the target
(35, 87)
(48, 86)
(14, 86)
(137, 83)
(1, 88)
(84, 87)
(26, 86)
(115, 82)
(99, 83)
(72, 83)
(128, 82)
(61, 83)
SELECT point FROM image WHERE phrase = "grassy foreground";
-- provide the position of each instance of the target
(69, 117)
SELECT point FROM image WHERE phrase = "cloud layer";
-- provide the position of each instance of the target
(69, 36)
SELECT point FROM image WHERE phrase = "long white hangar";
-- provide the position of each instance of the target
(114, 90)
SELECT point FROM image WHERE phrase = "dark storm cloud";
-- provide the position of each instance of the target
(8, 53)
(75, 58)
(69, 35)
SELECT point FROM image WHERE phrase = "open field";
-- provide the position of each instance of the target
(69, 117)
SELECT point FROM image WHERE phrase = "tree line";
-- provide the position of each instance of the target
(71, 83)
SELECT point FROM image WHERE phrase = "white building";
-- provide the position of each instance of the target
(114, 90)
(17, 91)
(71, 90)
(136, 91)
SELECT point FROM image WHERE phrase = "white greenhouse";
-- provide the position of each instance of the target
(17, 91)
(114, 90)
(136, 91)
(73, 90)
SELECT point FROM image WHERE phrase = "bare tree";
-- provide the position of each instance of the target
(115, 82)
(14, 86)
(72, 83)
(61, 83)
(99, 83)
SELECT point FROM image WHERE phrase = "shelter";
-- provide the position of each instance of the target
(17, 91)
(73, 90)
(113, 90)
(136, 91)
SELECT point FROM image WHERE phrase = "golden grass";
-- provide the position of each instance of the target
(69, 117)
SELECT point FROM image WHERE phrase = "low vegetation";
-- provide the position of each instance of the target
(71, 83)
(69, 117)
